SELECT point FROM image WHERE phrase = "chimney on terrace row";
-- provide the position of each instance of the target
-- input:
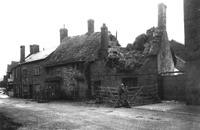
(103, 52)
(90, 26)
(34, 49)
(63, 33)
(22, 53)
(162, 16)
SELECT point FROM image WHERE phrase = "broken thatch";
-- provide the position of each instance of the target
(134, 55)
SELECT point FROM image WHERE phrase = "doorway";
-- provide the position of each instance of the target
(31, 91)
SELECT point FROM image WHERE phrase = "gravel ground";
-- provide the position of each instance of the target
(81, 116)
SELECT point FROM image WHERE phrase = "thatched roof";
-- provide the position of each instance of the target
(76, 49)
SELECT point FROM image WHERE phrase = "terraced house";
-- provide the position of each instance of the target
(29, 73)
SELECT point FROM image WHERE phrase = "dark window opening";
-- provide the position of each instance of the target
(130, 82)
(96, 88)
(97, 83)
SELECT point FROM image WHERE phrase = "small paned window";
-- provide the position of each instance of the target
(24, 72)
(37, 70)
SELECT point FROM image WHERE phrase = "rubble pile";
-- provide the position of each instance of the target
(134, 55)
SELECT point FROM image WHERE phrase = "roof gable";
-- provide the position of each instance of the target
(38, 56)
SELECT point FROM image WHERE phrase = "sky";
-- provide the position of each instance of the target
(26, 22)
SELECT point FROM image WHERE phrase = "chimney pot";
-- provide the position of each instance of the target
(63, 34)
(22, 53)
(34, 49)
(162, 16)
(104, 42)
(90, 26)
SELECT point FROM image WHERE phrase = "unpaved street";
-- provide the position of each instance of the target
(68, 115)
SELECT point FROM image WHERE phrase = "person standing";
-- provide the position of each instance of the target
(122, 97)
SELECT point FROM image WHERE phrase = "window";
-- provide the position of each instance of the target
(24, 73)
(130, 82)
(37, 87)
(37, 70)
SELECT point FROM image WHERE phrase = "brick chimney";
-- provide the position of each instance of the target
(103, 52)
(162, 16)
(34, 49)
(90, 26)
(63, 33)
(22, 54)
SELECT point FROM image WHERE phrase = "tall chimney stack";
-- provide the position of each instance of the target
(90, 26)
(104, 42)
(63, 33)
(22, 54)
(162, 16)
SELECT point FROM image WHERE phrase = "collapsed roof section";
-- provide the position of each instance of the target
(134, 55)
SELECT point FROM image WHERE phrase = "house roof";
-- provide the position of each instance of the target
(179, 49)
(74, 49)
(12, 65)
(38, 56)
(179, 52)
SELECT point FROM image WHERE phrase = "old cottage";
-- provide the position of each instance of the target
(69, 67)
(93, 65)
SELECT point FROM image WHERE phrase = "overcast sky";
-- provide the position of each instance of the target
(25, 22)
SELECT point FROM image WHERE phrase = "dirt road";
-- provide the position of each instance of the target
(7, 123)
(66, 115)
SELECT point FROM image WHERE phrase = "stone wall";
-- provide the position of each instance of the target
(173, 87)
(142, 83)
(192, 43)
(165, 60)
(73, 83)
